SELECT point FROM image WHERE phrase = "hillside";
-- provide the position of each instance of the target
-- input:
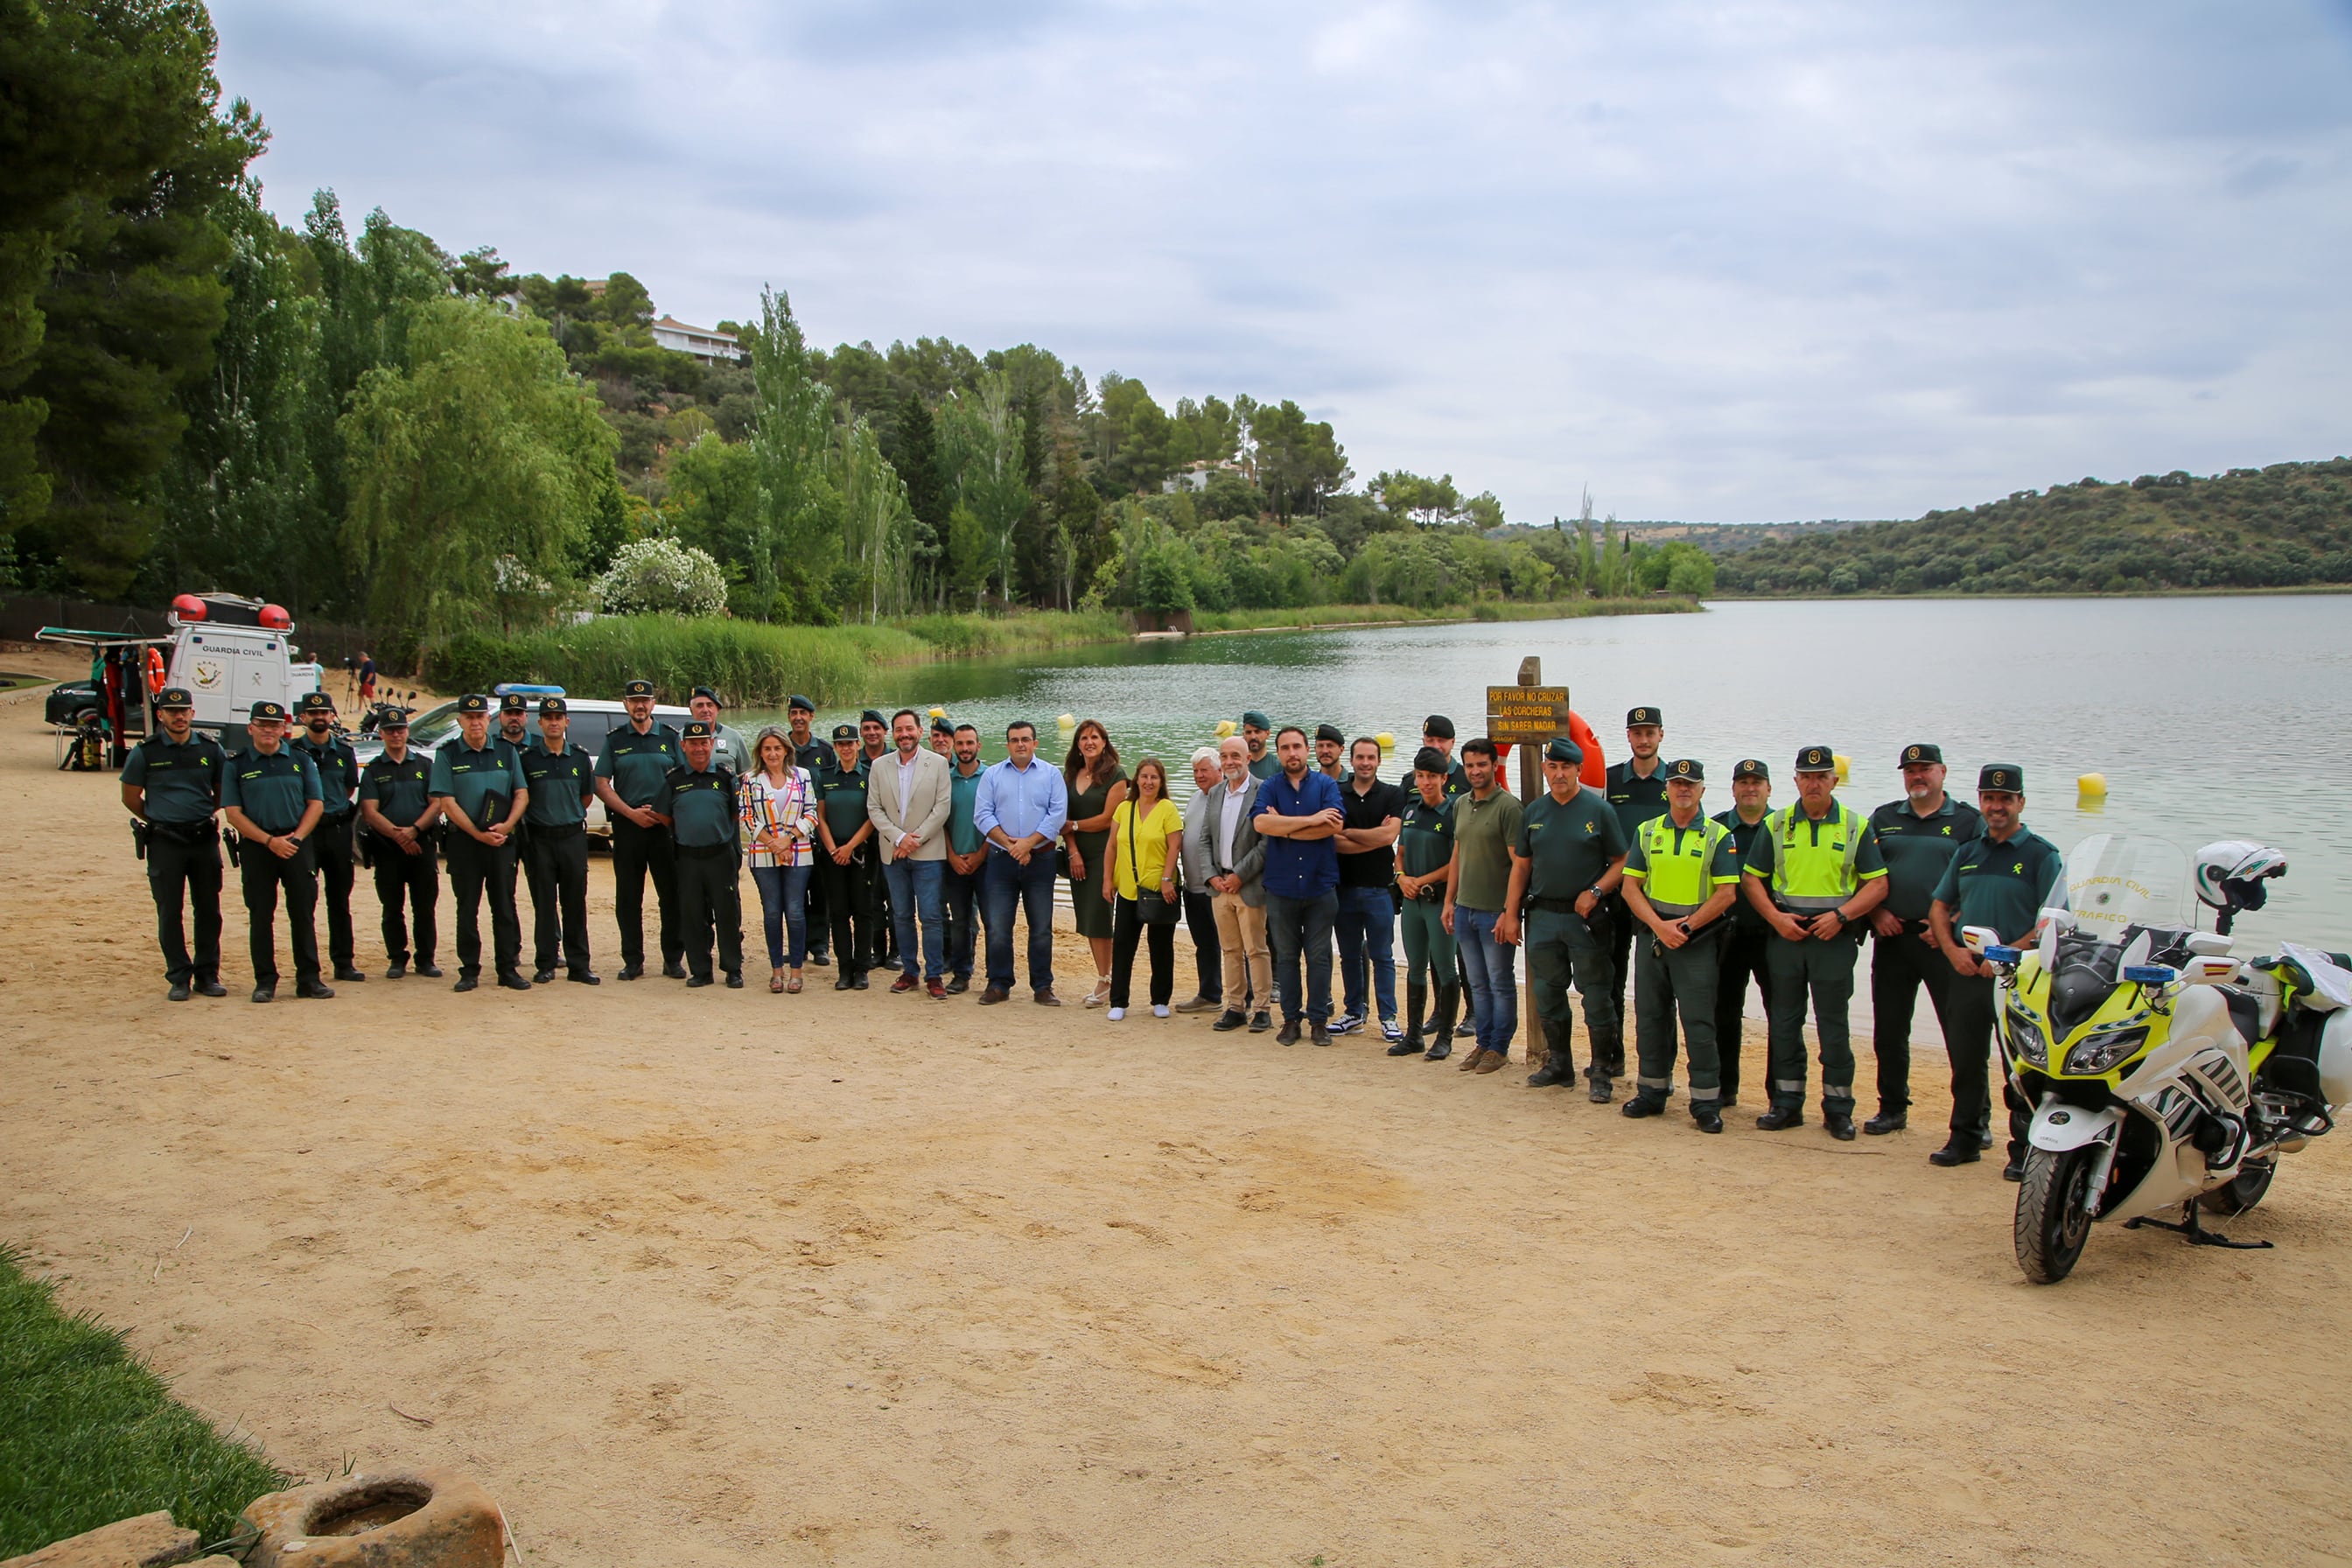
(2287, 526)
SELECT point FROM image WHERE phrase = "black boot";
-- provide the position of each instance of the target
(1441, 1027)
(1417, 1004)
(1558, 1067)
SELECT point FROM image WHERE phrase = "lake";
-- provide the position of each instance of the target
(2212, 718)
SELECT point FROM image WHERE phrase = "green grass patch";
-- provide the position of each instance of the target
(88, 1434)
(1314, 615)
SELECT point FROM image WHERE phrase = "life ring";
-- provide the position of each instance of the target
(1593, 771)
(154, 670)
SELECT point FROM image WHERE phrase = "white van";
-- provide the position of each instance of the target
(231, 653)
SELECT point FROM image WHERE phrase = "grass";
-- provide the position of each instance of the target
(88, 1434)
(1314, 615)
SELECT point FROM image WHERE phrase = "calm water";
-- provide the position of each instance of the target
(2210, 718)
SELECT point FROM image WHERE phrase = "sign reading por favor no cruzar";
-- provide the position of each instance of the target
(1521, 713)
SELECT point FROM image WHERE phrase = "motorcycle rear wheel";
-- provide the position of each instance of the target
(2053, 1212)
(2240, 1192)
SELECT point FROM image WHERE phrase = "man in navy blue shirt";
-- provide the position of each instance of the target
(1299, 814)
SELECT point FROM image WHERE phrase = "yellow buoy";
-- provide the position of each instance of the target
(1066, 722)
(2093, 786)
(1844, 765)
(938, 713)
(1225, 728)
(1387, 739)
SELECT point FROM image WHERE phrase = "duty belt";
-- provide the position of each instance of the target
(704, 851)
(1552, 906)
(552, 830)
(183, 832)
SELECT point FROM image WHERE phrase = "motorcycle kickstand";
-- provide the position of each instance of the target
(2197, 1233)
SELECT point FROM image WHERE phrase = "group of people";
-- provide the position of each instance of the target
(895, 848)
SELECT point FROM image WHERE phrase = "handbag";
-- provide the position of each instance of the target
(1150, 907)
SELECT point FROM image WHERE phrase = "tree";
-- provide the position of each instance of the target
(662, 577)
(1298, 462)
(917, 463)
(474, 474)
(797, 540)
(993, 480)
(879, 529)
(714, 502)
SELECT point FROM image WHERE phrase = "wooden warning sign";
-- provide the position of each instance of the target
(1524, 714)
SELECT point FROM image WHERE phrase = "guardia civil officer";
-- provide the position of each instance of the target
(270, 795)
(1747, 937)
(561, 778)
(1570, 856)
(1814, 872)
(478, 783)
(398, 805)
(845, 840)
(338, 853)
(2002, 878)
(630, 776)
(172, 786)
(1637, 790)
(1682, 877)
(1918, 834)
(729, 749)
(815, 755)
(697, 804)
(514, 722)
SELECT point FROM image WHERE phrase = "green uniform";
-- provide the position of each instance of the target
(555, 855)
(1917, 848)
(1679, 869)
(1425, 843)
(1636, 800)
(1569, 845)
(1742, 953)
(472, 778)
(183, 868)
(701, 803)
(2005, 886)
(407, 885)
(183, 781)
(560, 784)
(637, 766)
(400, 789)
(274, 792)
(338, 851)
(1267, 766)
(481, 782)
(841, 797)
(704, 817)
(1811, 867)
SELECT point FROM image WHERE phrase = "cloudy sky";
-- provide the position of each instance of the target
(1719, 261)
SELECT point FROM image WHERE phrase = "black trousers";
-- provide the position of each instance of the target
(265, 877)
(337, 869)
(710, 896)
(1744, 948)
(820, 934)
(1899, 967)
(1971, 1010)
(476, 869)
(555, 866)
(849, 905)
(180, 874)
(1618, 941)
(636, 851)
(405, 882)
(1208, 957)
(1127, 928)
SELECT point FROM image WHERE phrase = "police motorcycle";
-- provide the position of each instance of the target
(2163, 1071)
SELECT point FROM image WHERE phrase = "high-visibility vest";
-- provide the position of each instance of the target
(1812, 863)
(1678, 881)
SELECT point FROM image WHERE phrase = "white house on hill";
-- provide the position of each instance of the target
(703, 343)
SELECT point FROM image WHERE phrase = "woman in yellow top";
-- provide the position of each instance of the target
(1145, 830)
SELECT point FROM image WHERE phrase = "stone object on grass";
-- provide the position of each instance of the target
(149, 1540)
(384, 1519)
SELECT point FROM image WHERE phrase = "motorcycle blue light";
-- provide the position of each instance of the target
(2150, 974)
(2002, 955)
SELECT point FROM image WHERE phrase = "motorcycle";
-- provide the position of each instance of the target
(2162, 1071)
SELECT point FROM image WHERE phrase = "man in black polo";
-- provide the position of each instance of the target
(398, 805)
(1919, 836)
(270, 795)
(813, 754)
(1637, 790)
(630, 775)
(478, 783)
(561, 778)
(874, 734)
(171, 784)
(1366, 929)
(338, 853)
(699, 806)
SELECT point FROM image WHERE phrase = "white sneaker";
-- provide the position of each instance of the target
(1346, 1023)
(1390, 1031)
(1159, 1009)
(1117, 1013)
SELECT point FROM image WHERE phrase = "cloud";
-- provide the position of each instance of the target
(1741, 259)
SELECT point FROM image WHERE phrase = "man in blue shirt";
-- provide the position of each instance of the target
(1019, 809)
(1299, 814)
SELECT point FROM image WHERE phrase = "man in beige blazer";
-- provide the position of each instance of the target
(908, 794)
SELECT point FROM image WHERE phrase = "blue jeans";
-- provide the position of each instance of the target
(959, 897)
(1009, 884)
(1367, 931)
(783, 906)
(1494, 989)
(915, 897)
(1297, 926)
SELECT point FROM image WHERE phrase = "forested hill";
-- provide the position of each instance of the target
(2287, 526)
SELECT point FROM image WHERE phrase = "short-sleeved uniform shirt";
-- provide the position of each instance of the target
(2005, 886)
(1299, 868)
(1267, 766)
(963, 793)
(1743, 836)
(339, 771)
(273, 790)
(639, 765)
(1917, 848)
(470, 778)
(1569, 844)
(1763, 850)
(701, 806)
(841, 797)
(557, 780)
(182, 781)
(1370, 868)
(1637, 799)
(1483, 833)
(1691, 842)
(1425, 836)
(816, 756)
(400, 789)
(1456, 782)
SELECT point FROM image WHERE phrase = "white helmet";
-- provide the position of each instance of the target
(2230, 874)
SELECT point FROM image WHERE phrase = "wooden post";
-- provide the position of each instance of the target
(1527, 716)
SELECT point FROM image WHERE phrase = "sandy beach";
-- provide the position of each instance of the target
(732, 1279)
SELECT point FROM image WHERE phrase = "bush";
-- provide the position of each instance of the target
(661, 578)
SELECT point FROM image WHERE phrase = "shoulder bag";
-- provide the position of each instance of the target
(1150, 907)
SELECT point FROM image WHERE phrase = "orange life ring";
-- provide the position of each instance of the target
(1594, 769)
(154, 670)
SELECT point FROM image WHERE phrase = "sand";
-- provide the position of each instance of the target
(733, 1278)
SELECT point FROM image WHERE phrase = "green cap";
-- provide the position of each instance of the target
(1637, 717)
(473, 702)
(637, 689)
(1921, 752)
(1687, 769)
(2006, 776)
(1750, 768)
(1254, 720)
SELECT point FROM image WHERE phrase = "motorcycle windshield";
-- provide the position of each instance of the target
(2116, 879)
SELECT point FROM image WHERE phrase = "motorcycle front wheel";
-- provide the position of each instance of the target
(2053, 1212)
(2240, 1192)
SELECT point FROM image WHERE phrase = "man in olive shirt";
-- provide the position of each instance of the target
(479, 782)
(1918, 834)
(396, 803)
(270, 795)
(845, 858)
(1566, 858)
(699, 808)
(561, 779)
(171, 783)
(1637, 790)
(808, 752)
(630, 773)
(1748, 938)
(1477, 907)
(333, 844)
(1682, 877)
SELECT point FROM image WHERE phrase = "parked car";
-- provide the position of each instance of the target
(67, 703)
(592, 720)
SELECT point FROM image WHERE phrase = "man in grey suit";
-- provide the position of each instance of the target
(1223, 848)
(1199, 903)
(908, 794)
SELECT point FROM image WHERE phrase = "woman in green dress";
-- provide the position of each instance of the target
(1097, 787)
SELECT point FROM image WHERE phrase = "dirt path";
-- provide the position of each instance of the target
(744, 1280)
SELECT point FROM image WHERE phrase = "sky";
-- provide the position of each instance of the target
(1717, 262)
